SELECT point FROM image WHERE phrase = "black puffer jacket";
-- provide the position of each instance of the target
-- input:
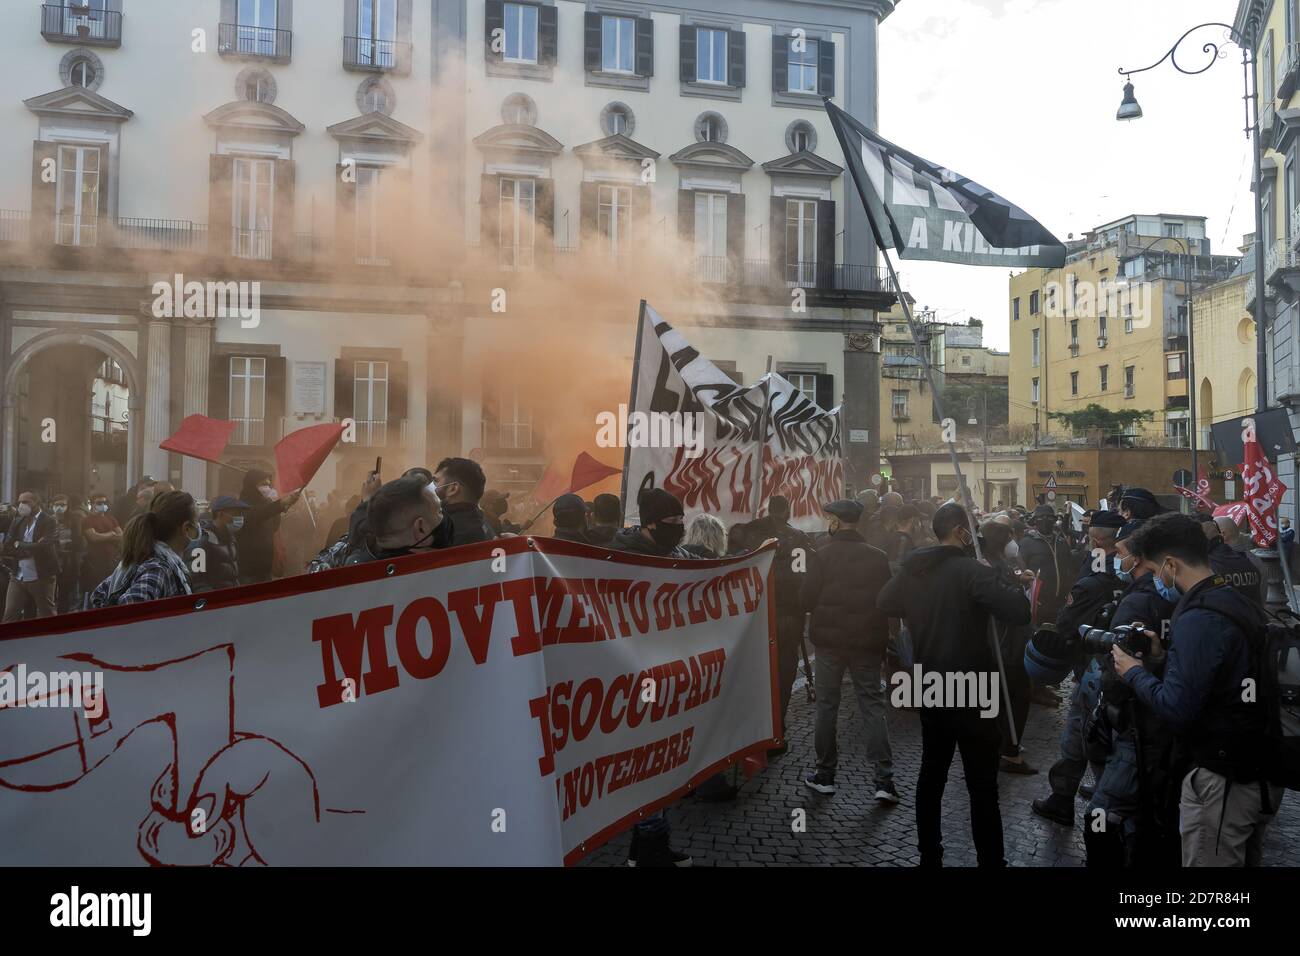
(844, 577)
(468, 522)
(947, 598)
(789, 580)
(220, 559)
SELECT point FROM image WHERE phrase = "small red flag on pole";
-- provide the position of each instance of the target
(299, 455)
(587, 471)
(200, 437)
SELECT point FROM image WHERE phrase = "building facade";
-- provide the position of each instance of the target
(432, 218)
(1224, 348)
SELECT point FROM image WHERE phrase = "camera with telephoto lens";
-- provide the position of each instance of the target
(1130, 638)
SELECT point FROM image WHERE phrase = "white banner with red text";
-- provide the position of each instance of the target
(514, 702)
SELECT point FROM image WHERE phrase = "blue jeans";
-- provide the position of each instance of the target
(828, 676)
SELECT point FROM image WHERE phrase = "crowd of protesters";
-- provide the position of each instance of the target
(887, 586)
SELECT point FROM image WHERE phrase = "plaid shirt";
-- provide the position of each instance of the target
(152, 580)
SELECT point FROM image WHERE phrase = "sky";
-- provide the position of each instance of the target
(1020, 96)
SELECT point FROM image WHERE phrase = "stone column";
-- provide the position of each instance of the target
(157, 398)
(861, 408)
(198, 349)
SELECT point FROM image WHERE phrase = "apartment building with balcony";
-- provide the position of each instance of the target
(1110, 328)
(383, 168)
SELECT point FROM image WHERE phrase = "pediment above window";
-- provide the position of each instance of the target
(718, 156)
(375, 129)
(252, 117)
(76, 102)
(803, 164)
(615, 148)
(516, 139)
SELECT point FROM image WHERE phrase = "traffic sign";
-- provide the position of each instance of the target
(1051, 483)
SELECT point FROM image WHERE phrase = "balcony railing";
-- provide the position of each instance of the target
(366, 53)
(1295, 226)
(15, 226)
(1288, 70)
(81, 24)
(1280, 258)
(239, 39)
(248, 431)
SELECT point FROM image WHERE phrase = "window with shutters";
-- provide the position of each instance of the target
(801, 242)
(802, 65)
(804, 382)
(618, 44)
(614, 219)
(77, 206)
(370, 248)
(254, 197)
(521, 33)
(518, 222)
(711, 236)
(370, 403)
(1130, 385)
(85, 21)
(377, 33)
(248, 400)
(899, 404)
(710, 56)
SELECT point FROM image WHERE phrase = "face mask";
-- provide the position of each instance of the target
(1120, 573)
(237, 522)
(25, 510)
(667, 536)
(268, 492)
(59, 509)
(101, 509)
(1167, 591)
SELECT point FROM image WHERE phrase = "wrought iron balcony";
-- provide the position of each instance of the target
(380, 56)
(243, 40)
(82, 24)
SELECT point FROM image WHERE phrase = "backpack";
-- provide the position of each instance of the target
(1279, 691)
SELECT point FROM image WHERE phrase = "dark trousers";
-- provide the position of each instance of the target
(979, 740)
(789, 633)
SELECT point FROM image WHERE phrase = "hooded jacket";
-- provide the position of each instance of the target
(844, 578)
(633, 541)
(1211, 653)
(947, 599)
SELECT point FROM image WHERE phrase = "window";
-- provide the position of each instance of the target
(1015, 309)
(801, 241)
(616, 119)
(1033, 391)
(94, 19)
(1176, 364)
(965, 360)
(711, 129)
(1074, 333)
(248, 400)
(710, 55)
(1101, 326)
(514, 422)
(254, 194)
(375, 95)
(1128, 317)
(1175, 230)
(618, 44)
(376, 33)
(77, 209)
(1104, 374)
(370, 249)
(517, 222)
(519, 109)
(1033, 303)
(82, 74)
(1130, 384)
(805, 383)
(256, 28)
(711, 236)
(521, 33)
(1036, 357)
(899, 403)
(1176, 429)
(370, 403)
(614, 219)
(1074, 383)
(802, 66)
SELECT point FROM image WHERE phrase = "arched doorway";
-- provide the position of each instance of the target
(71, 410)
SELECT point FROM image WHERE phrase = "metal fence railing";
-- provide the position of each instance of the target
(82, 23)
(367, 53)
(241, 39)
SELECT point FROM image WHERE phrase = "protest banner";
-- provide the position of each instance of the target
(513, 702)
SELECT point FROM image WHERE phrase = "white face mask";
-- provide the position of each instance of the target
(59, 509)
(269, 492)
(1012, 550)
(24, 509)
(101, 509)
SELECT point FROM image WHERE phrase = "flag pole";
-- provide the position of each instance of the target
(631, 407)
(762, 442)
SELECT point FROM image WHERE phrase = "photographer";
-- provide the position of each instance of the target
(1226, 805)
(1133, 791)
(1092, 592)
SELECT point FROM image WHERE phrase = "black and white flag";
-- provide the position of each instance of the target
(925, 211)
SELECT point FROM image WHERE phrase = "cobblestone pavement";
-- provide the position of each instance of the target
(850, 828)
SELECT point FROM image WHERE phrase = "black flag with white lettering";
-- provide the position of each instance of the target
(929, 212)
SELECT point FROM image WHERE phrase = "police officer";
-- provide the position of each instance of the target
(1092, 592)
(1129, 820)
(1237, 567)
(1045, 550)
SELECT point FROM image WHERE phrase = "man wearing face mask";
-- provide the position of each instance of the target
(1047, 551)
(30, 553)
(219, 566)
(257, 538)
(1226, 803)
(103, 543)
(460, 487)
(404, 517)
(72, 546)
(1127, 823)
(1094, 589)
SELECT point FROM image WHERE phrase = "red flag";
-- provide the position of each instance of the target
(200, 437)
(1263, 489)
(550, 486)
(299, 455)
(1238, 511)
(1202, 502)
(587, 471)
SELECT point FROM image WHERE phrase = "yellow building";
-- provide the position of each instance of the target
(1224, 349)
(1110, 328)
